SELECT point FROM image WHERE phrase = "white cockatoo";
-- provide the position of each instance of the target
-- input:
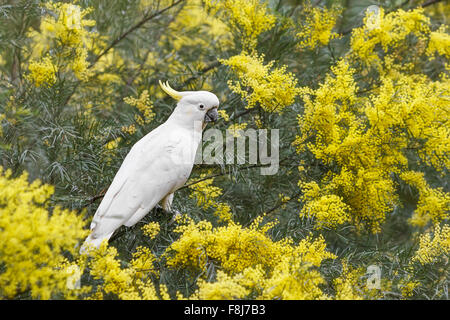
(156, 166)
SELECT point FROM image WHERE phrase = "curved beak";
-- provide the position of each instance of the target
(212, 115)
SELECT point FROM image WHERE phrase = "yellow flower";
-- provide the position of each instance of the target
(272, 89)
(347, 284)
(248, 17)
(43, 73)
(223, 115)
(65, 30)
(151, 229)
(145, 107)
(366, 137)
(205, 192)
(236, 129)
(318, 26)
(439, 42)
(34, 240)
(432, 249)
(131, 129)
(113, 144)
(433, 203)
(223, 211)
(389, 30)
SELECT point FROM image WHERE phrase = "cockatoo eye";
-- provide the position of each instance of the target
(201, 106)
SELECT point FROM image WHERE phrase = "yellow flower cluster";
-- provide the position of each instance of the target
(365, 140)
(223, 212)
(318, 26)
(194, 17)
(34, 239)
(151, 229)
(130, 129)
(328, 210)
(347, 284)
(433, 204)
(145, 107)
(248, 17)
(407, 287)
(387, 30)
(236, 128)
(113, 144)
(207, 194)
(439, 42)
(43, 72)
(66, 30)
(251, 262)
(273, 89)
(432, 249)
(224, 115)
(130, 283)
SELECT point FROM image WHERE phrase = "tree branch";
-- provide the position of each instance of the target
(212, 66)
(429, 3)
(281, 203)
(132, 29)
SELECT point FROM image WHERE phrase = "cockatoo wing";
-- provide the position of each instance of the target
(146, 176)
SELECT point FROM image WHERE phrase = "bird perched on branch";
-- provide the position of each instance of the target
(156, 166)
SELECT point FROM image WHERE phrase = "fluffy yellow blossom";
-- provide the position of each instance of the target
(131, 129)
(224, 288)
(236, 129)
(347, 284)
(151, 229)
(65, 30)
(439, 42)
(293, 279)
(194, 17)
(224, 115)
(431, 249)
(251, 262)
(249, 18)
(142, 262)
(43, 72)
(328, 210)
(407, 287)
(367, 138)
(433, 204)
(34, 239)
(145, 107)
(273, 89)
(205, 193)
(283, 199)
(113, 144)
(128, 283)
(387, 30)
(237, 248)
(317, 27)
(223, 211)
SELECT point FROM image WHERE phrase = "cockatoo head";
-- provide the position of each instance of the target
(196, 106)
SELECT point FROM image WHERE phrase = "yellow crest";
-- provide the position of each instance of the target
(171, 92)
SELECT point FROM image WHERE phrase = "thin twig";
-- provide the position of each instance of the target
(429, 3)
(132, 29)
(281, 203)
(212, 66)
(120, 38)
